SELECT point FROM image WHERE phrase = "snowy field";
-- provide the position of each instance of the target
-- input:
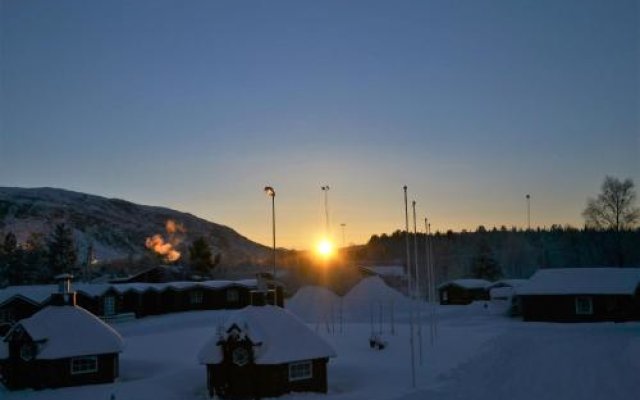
(478, 354)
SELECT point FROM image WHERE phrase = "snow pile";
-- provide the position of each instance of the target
(278, 335)
(622, 281)
(372, 292)
(70, 331)
(314, 303)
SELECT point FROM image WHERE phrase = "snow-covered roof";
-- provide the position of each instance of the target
(386, 270)
(69, 331)
(502, 291)
(508, 283)
(39, 294)
(283, 336)
(467, 283)
(35, 293)
(582, 281)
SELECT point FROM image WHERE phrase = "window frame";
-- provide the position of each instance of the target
(6, 315)
(300, 371)
(27, 352)
(196, 297)
(581, 301)
(232, 295)
(109, 304)
(90, 365)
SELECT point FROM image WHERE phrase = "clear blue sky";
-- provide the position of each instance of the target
(198, 105)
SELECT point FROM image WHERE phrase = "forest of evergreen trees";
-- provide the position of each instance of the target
(515, 253)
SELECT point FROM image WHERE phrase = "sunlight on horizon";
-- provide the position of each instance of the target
(325, 248)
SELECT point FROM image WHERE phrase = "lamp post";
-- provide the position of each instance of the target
(528, 196)
(406, 237)
(325, 189)
(272, 193)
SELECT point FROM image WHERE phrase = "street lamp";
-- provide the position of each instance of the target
(272, 193)
(325, 189)
(528, 212)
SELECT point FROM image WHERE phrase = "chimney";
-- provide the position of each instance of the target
(65, 296)
(259, 296)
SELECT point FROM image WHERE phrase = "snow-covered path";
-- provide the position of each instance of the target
(536, 361)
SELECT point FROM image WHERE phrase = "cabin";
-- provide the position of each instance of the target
(265, 351)
(581, 295)
(502, 295)
(13, 309)
(155, 274)
(60, 345)
(463, 291)
(19, 302)
(123, 301)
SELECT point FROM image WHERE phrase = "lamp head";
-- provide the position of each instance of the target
(270, 191)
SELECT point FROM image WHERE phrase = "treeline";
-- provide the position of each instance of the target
(502, 252)
(40, 258)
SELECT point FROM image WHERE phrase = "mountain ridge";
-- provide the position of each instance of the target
(117, 228)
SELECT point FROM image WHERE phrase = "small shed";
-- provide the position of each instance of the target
(502, 294)
(265, 351)
(463, 291)
(581, 294)
(60, 345)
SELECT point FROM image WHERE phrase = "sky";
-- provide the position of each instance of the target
(198, 105)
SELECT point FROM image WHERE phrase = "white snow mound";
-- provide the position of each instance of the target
(314, 303)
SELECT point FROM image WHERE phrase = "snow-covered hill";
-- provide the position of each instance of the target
(116, 228)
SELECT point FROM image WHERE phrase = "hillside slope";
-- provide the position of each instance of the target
(117, 228)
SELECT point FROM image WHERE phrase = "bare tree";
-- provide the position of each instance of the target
(614, 207)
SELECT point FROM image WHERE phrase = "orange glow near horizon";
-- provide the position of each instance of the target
(324, 248)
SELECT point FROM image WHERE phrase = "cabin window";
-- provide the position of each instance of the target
(6, 315)
(240, 356)
(300, 370)
(109, 305)
(84, 365)
(195, 297)
(584, 305)
(27, 352)
(233, 296)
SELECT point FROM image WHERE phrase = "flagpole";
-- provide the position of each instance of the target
(409, 285)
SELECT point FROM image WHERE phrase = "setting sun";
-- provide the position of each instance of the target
(325, 248)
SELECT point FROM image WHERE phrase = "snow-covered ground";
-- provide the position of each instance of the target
(478, 354)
